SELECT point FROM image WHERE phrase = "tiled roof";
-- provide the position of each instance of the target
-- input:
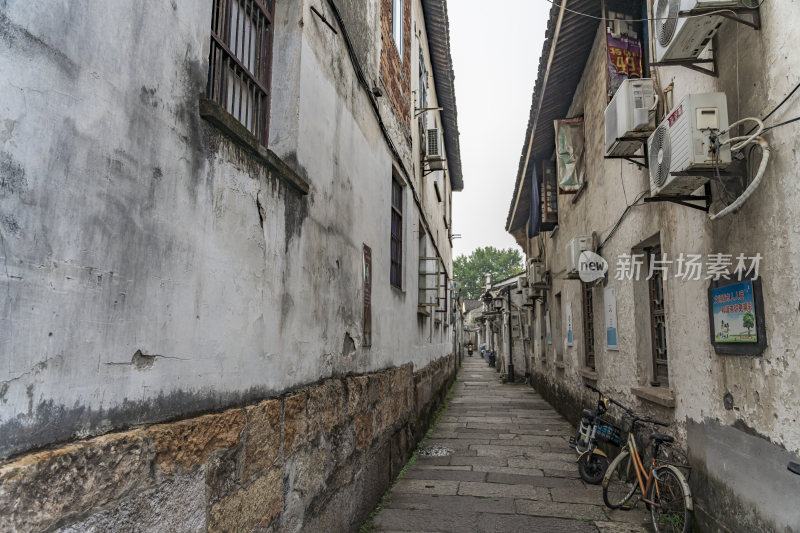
(438, 30)
(553, 93)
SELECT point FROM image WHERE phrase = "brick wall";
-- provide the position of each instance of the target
(395, 73)
(316, 459)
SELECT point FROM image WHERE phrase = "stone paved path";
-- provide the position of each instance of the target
(511, 469)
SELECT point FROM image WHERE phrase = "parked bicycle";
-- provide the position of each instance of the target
(662, 487)
(592, 461)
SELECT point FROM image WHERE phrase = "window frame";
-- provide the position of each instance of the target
(589, 353)
(657, 315)
(238, 60)
(396, 238)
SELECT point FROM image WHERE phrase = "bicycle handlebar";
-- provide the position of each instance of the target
(648, 420)
(626, 409)
(612, 400)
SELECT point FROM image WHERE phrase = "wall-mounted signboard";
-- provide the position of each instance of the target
(736, 317)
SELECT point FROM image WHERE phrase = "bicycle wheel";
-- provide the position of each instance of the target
(592, 467)
(670, 513)
(620, 482)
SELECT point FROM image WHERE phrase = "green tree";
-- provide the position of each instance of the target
(748, 321)
(470, 270)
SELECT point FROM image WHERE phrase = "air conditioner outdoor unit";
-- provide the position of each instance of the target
(521, 283)
(433, 149)
(574, 249)
(684, 37)
(682, 143)
(631, 115)
(537, 274)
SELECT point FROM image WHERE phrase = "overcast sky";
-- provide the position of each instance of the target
(496, 48)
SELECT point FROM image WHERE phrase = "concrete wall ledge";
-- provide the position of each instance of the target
(216, 115)
(656, 395)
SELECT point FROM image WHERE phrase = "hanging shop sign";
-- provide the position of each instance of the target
(736, 317)
(610, 304)
(624, 59)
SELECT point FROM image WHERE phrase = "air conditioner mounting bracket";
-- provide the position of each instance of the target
(684, 199)
(693, 64)
(732, 13)
(642, 159)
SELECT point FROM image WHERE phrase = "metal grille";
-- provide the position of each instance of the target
(660, 157)
(396, 269)
(240, 61)
(666, 20)
(588, 326)
(658, 323)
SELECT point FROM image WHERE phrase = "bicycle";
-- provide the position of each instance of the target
(669, 498)
(592, 461)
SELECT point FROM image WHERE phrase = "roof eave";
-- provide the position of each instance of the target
(437, 27)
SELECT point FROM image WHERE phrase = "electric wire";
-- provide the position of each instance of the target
(781, 124)
(595, 17)
(785, 98)
(618, 223)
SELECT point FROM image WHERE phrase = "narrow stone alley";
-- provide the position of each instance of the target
(510, 469)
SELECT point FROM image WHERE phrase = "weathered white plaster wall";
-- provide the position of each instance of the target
(130, 224)
(756, 71)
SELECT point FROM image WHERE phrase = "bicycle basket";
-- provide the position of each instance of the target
(608, 432)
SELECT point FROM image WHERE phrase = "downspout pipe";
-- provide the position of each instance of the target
(510, 367)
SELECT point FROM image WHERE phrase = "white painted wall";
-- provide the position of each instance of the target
(128, 223)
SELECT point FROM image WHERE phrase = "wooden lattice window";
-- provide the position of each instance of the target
(658, 320)
(588, 326)
(240, 61)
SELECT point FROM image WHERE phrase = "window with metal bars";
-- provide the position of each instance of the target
(588, 326)
(658, 320)
(396, 269)
(240, 61)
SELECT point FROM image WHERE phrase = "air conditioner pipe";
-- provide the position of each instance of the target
(737, 204)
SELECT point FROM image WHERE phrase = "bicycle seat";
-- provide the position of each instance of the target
(588, 413)
(660, 437)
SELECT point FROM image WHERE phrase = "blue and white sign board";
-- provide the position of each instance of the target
(734, 313)
(610, 304)
(570, 336)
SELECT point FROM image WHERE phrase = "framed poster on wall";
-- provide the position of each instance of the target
(736, 317)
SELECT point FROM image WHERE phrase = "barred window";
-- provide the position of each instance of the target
(396, 273)
(588, 326)
(658, 321)
(240, 61)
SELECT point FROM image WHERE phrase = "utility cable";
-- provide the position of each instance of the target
(365, 84)
(618, 223)
(781, 124)
(785, 98)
